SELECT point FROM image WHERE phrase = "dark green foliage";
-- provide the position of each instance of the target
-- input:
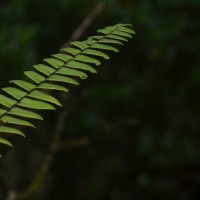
(154, 80)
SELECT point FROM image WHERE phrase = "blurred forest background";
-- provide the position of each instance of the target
(132, 131)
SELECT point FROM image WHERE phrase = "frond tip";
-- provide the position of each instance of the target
(20, 101)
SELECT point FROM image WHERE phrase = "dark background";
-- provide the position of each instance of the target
(139, 116)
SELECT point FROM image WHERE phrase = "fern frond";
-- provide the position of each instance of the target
(20, 101)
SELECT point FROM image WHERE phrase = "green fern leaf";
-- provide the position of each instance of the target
(24, 113)
(5, 129)
(87, 59)
(35, 104)
(105, 47)
(46, 70)
(72, 51)
(72, 72)
(79, 65)
(23, 84)
(6, 142)
(117, 37)
(6, 101)
(37, 78)
(63, 79)
(104, 31)
(2, 111)
(13, 120)
(62, 57)
(80, 45)
(110, 41)
(14, 92)
(121, 33)
(63, 67)
(127, 30)
(99, 37)
(43, 96)
(96, 53)
(50, 86)
(54, 62)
